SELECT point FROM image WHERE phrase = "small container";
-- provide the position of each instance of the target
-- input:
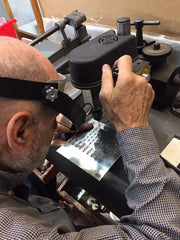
(7, 28)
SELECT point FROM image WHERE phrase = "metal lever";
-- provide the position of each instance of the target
(60, 25)
(139, 23)
(74, 19)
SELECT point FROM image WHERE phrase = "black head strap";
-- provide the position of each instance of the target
(46, 92)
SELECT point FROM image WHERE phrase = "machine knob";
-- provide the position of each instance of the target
(156, 46)
(123, 26)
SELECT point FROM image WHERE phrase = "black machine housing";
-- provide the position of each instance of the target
(86, 61)
(83, 59)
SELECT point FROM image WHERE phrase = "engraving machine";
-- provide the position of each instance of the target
(83, 59)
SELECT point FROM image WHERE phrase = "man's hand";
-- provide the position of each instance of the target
(63, 126)
(128, 103)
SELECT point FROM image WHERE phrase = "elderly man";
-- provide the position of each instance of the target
(26, 129)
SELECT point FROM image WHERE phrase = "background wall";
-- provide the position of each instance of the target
(3, 13)
(106, 12)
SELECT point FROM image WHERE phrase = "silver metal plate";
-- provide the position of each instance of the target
(94, 151)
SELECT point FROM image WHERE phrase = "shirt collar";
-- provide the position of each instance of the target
(8, 180)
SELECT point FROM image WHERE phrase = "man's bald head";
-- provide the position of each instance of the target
(26, 126)
(21, 61)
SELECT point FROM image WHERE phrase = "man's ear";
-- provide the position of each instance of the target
(20, 131)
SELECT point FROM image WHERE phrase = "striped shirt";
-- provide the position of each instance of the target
(153, 194)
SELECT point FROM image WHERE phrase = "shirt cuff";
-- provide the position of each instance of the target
(136, 143)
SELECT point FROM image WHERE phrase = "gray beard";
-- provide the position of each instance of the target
(36, 154)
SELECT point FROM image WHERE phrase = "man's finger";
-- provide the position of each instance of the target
(86, 127)
(124, 64)
(57, 142)
(107, 80)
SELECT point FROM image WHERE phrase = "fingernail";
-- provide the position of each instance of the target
(105, 67)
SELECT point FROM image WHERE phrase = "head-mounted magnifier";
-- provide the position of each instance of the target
(46, 92)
